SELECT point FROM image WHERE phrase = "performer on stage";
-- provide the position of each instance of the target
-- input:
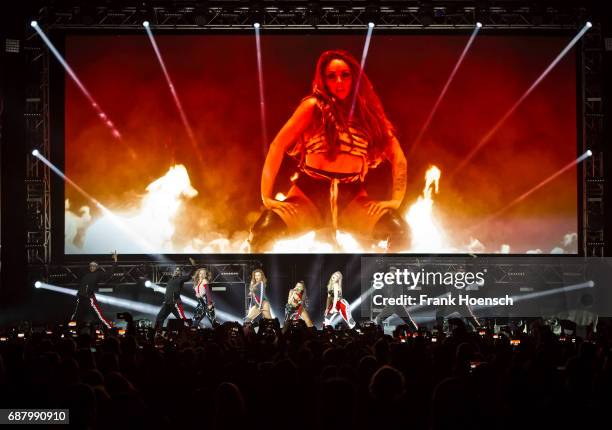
(259, 303)
(335, 302)
(337, 134)
(172, 299)
(86, 296)
(297, 303)
(397, 310)
(203, 293)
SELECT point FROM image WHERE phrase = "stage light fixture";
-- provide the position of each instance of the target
(371, 24)
(34, 24)
(145, 23)
(589, 153)
(589, 24)
(479, 24)
(35, 152)
(37, 284)
(256, 25)
(426, 13)
(148, 283)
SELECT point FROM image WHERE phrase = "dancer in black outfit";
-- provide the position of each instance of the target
(172, 300)
(86, 294)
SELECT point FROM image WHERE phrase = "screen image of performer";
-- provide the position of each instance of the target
(86, 296)
(335, 303)
(297, 303)
(172, 299)
(259, 303)
(337, 134)
(203, 293)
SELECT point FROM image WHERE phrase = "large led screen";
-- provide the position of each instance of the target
(396, 156)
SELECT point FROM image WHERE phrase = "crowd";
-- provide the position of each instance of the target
(303, 378)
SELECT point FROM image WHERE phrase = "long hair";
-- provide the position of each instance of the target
(202, 272)
(368, 111)
(263, 278)
(330, 282)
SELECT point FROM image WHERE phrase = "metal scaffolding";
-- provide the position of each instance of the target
(311, 16)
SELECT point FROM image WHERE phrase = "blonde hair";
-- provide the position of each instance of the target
(330, 283)
(206, 274)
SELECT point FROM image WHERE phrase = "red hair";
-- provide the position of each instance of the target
(368, 111)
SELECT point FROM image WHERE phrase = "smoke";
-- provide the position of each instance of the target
(75, 226)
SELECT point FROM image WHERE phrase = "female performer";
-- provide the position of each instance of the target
(203, 293)
(337, 133)
(297, 304)
(335, 302)
(259, 303)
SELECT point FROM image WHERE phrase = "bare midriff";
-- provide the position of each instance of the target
(343, 163)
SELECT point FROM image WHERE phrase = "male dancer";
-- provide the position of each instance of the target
(172, 299)
(86, 296)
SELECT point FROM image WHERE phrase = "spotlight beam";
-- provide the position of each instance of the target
(45, 286)
(262, 101)
(353, 305)
(535, 188)
(175, 97)
(101, 114)
(364, 55)
(546, 293)
(111, 216)
(106, 299)
(445, 88)
(509, 113)
(132, 305)
(225, 316)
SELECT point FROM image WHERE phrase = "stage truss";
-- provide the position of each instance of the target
(137, 273)
(420, 16)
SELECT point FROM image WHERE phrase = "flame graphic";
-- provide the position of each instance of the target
(150, 226)
(308, 243)
(427, 236)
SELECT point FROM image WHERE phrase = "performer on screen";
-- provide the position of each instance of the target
(86, 296)
(337, 134)
(259, 304)
(335, 303)
(172, 299)
(297, 303)
(203, 293)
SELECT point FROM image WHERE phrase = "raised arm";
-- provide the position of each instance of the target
(290, 297)
(105, 276)
(189, 274)
(290, 132)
